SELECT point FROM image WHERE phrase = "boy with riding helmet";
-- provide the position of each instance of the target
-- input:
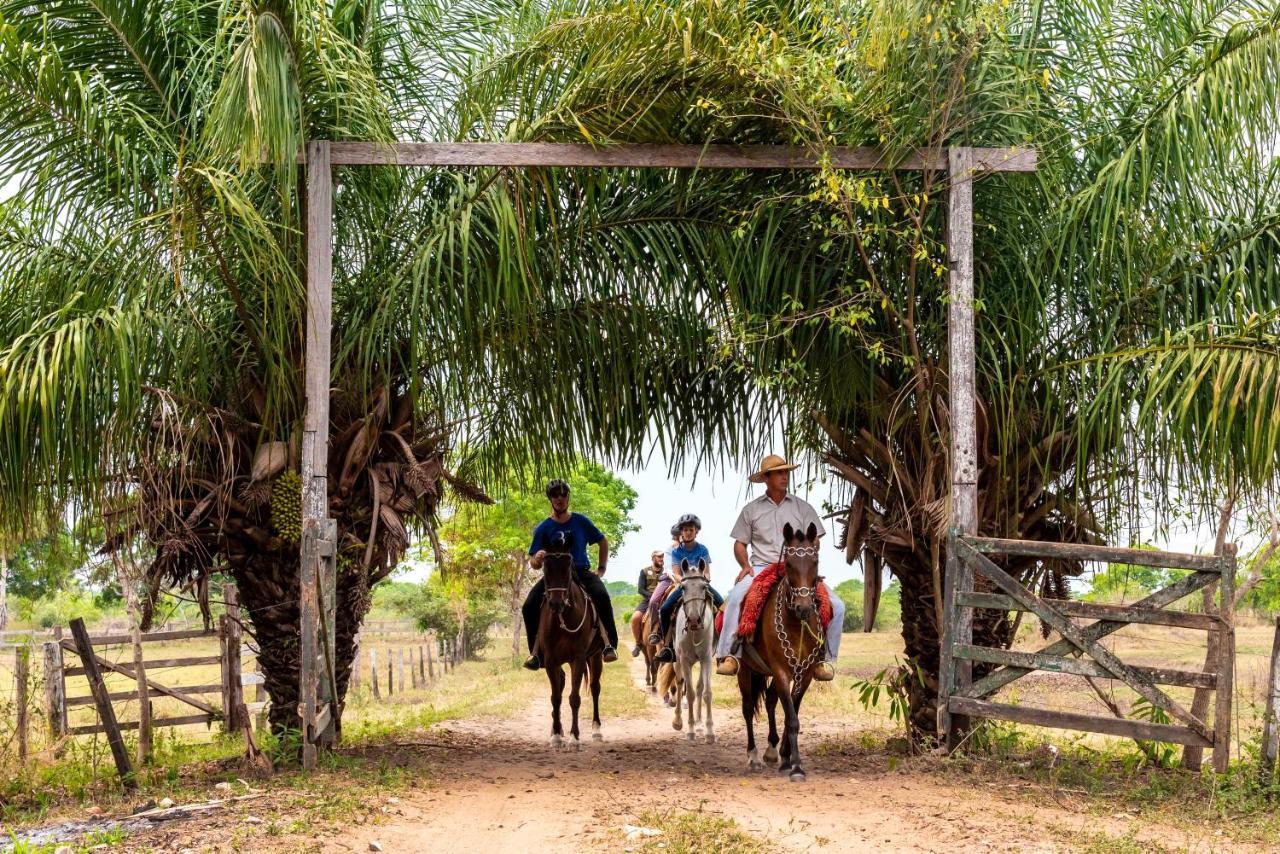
(580, 532)
(687, 549)
(669, 577)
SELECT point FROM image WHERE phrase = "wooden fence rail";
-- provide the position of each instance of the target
(1080, 652)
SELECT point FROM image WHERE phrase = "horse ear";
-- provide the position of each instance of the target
(787, 532)
(812, 533)
(684, 565)
(702, 566)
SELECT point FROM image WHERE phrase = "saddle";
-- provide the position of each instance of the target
(753, 603)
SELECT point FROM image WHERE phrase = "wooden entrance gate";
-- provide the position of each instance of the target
(1080, 652)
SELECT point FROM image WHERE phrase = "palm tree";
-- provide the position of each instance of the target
(1129, 293)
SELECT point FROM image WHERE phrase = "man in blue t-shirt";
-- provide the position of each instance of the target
(686, 549)
(580, 532)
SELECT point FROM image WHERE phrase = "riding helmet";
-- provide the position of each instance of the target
(557, 485)
(688, 519)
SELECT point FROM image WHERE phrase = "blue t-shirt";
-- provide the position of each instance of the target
(679, 553)
(579, 533)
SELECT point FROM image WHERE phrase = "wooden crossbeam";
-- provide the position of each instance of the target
(1141, 730)
(1088, 552)
(1071, 632)
(1081, 666)
(1184, 586)
(663, 156)
(1094, 610)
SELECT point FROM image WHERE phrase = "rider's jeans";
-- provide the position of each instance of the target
(733, 610)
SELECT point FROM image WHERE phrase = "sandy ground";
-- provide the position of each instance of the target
(508, 790)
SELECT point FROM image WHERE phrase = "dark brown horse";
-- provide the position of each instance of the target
(778, 661)
(569, 633)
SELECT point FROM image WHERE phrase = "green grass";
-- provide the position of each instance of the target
(687, 832)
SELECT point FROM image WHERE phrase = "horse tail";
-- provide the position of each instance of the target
(666, 677)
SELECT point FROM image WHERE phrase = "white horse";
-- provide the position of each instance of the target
(695, 642)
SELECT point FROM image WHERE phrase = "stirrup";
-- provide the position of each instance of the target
(533, 662)
(610, 654)
(667, 655)
(824, 671)
(728, 666)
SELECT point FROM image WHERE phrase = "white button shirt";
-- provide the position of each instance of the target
(759, 526)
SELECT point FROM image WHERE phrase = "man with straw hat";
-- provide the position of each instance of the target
(757, 543)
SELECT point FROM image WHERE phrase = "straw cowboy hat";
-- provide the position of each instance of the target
(771, 463)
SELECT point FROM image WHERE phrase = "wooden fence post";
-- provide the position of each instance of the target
(422, 667)
(144, 692)
(413, 672)
(1270, 727)
(354, 682)
(391, 684)
(1224, 690)
(102, 700)
(431, 659)
(400, 670)
(230, 635)
(373, 673)
(55, 691)
(21, 673)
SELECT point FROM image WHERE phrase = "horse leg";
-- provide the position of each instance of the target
(704, 677)
(556, 675)
(594, 666)
(749, 690)
(575, 698)
(686, 665)
(771, 706)
(677, 722)
(791, 746)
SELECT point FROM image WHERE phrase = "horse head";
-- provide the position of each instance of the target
(694, 584)
(800, 559)
(557, 570)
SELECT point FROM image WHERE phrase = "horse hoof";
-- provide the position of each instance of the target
(595, 736)
(577, 745)
(556, 741)
(771, 755)
(711, 738)
(692, 737)
(797, 776)
(677, 725)
(754, 765)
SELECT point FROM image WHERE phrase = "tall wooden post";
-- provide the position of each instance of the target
(231, 637)
(315, 429)
(957, 623)
(1223, 691)
(139, 670)
(55, 691)
(1270, 726)
(21, 680)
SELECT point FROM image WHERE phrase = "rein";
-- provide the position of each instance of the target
(588, 607)
(798, 662)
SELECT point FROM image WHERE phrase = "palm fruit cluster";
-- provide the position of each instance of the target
(286, 506)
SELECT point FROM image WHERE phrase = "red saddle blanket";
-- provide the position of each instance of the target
(761, 587)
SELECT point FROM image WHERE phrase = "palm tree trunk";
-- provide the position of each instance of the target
(4, 590)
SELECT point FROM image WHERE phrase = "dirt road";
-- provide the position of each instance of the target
(500, 787)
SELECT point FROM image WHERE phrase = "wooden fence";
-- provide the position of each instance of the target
(423, 661)
(1080, 652)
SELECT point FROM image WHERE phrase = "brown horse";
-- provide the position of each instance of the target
(569, 633)
(778, 661)
(641, 629)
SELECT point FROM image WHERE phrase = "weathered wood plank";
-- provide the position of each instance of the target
(315, 429)
(1081, 666)
(106, 713)
(156, 722)
(21, 684)
(232, 684)
(1226, 660)
(132, 694)
(152, 637)
(1270, 726)
(1188, 584)
(1071, 720)
(55, 690)
(1110, 613)
(161, 663)
(1084, 552)
(663, 156)
(1071, 632)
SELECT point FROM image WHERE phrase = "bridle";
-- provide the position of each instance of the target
(700, 601)
(798, 664)
(589, 605)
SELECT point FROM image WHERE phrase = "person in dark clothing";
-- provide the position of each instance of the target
(580, 532)
(647, 583)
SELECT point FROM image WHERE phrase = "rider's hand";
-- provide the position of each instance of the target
(745, 572)
(539, 555)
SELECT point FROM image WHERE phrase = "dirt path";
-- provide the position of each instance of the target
(499, 786)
